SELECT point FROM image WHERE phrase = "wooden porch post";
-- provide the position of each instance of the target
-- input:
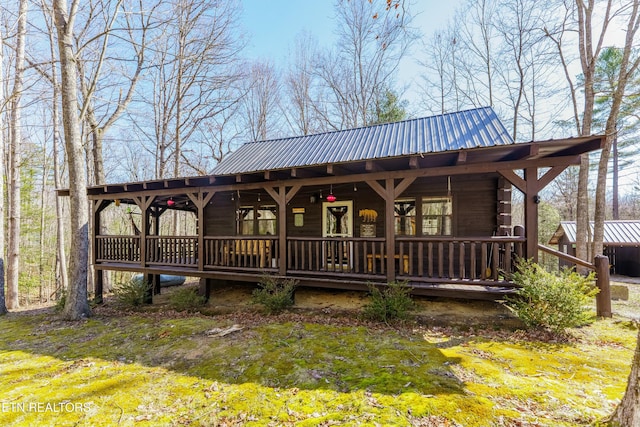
(603, 298)
(389, 193)
(282, 197)
(144, 202)
(530, 186)
(390, 228)
(200, 200)
(531, 213)
(98, 207)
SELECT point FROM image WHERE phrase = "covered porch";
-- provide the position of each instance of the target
(426, 201)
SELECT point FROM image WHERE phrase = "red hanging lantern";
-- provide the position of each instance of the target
(330, 197)
(170, 202)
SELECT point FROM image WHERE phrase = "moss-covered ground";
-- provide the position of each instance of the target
(162, 368)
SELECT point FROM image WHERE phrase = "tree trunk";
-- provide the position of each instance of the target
(76, 306)
(3, 306)
(62, 283)
(627, 413)
(15, 161)
(616, 202)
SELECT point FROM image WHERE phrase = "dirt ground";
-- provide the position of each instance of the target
(431, 310)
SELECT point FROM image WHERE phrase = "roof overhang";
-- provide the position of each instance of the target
(541, 154)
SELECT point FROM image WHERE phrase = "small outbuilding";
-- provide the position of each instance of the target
(621, 244)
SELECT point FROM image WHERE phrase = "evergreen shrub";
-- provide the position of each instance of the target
(551, 301)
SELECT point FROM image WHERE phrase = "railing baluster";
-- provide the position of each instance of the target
(451, 257)
(507, 257)
(473, 261)
(496, 260)
(440, 259)
(461, 273)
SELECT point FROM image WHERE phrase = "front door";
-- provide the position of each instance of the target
(337, 223)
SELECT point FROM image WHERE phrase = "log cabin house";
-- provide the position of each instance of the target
(427, 201)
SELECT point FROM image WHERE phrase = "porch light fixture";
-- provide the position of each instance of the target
(330, 197)
(170, 202)
(259, 197)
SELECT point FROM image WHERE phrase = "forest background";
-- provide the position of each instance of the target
(168, 88)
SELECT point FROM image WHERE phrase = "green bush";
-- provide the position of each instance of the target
(551, 301)
(393, 302)
(132, 293)
(275, 295)
(186, 299)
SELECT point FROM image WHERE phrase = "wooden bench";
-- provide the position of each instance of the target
(261, 249)
(405, 262)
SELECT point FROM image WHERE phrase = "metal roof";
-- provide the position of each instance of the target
(621, 233)
(447, 132)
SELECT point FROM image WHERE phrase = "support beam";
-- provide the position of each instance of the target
(462, 158)
(531, 213)
(389, 229)
(371, 166)
(282, 197)
(200, 200)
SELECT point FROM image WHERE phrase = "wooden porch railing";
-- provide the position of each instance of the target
(476, 260)
(418, 259)
(241, 252)
(340, 255)
(172, 250)
(601, 267)
(481, 261)
(117, 249)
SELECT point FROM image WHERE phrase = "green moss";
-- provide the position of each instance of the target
(137, 370)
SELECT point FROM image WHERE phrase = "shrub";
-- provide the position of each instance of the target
(186, 299)
(275, 295)
(393, 302)
(551, 301)
(132, 293)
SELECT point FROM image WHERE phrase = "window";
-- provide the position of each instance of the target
(436, 216)
(405, 217)
(256, 220)
(244, 221)
(266, 221)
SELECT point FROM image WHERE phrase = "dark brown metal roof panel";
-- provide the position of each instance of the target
(621, 233)
(447, 132)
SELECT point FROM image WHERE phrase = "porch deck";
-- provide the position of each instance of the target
(452, 267)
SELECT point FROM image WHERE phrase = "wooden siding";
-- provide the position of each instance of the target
(475, 206)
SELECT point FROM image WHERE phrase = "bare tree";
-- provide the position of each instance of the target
(583, 16)
(194, 78)
(298, 87)
(15, 130)
(261, 100)
(372, 39)
(438, 83)
(3, 306)
(61, 255)
(628, 67)
(76, 305)
(107, 82)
